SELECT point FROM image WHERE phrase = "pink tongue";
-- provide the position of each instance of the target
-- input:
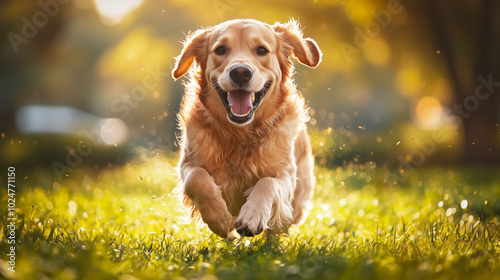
(240, 101)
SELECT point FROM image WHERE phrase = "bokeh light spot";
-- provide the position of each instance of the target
(377, 52)
(464, 204)
(72, 207)
(113, 131)
(428, 112)
(408, 81)
(342, 202)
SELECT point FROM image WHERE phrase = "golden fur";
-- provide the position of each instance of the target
(255, 172)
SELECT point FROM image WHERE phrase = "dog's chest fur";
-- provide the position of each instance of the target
(241, 162)
(238, 161)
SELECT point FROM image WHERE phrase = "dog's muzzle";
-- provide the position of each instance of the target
(241, 104)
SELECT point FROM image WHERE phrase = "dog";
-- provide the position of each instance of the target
(245, 155)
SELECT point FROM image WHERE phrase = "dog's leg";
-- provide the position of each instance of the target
(305, 177)
(205, 196)
(304, 190)
(268, 206)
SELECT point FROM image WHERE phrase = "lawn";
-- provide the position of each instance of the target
(123, 222)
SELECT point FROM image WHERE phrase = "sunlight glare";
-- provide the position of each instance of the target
(113, 11)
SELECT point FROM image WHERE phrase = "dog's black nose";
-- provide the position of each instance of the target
(240, 74)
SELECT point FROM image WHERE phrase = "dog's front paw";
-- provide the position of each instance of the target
(218, 219)
(253, 219)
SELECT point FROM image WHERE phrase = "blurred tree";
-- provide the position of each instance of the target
(380, 57)
(23, 44)
(466, 33)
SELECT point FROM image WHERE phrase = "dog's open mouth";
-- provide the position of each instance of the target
(241, 104)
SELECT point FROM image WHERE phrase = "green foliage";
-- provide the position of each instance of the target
(112, 226)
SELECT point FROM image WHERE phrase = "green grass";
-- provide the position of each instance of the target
(109, 225)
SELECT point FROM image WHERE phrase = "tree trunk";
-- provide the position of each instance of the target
(476, 100)
(481, 132)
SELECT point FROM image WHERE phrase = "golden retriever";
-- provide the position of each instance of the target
(246, 160)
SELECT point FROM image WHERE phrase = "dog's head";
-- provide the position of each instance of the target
(244, 64)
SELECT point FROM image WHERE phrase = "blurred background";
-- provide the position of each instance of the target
(86, 85)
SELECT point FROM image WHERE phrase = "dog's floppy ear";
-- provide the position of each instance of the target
(194, 49)
(290, 38)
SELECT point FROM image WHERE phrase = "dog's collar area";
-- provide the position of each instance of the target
(242, 118)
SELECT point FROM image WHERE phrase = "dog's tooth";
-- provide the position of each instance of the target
(253, 97)
(228, 97)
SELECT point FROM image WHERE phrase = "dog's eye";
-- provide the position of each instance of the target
(262, 51)
(220, 50)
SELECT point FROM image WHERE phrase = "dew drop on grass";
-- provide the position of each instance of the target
(98, 193)
(325, 207)
(72, 207)
(450, 211)
(246, 243)
(424, 266)
(361, 213)
(439, 268)
(342, 202)
(464, 204)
